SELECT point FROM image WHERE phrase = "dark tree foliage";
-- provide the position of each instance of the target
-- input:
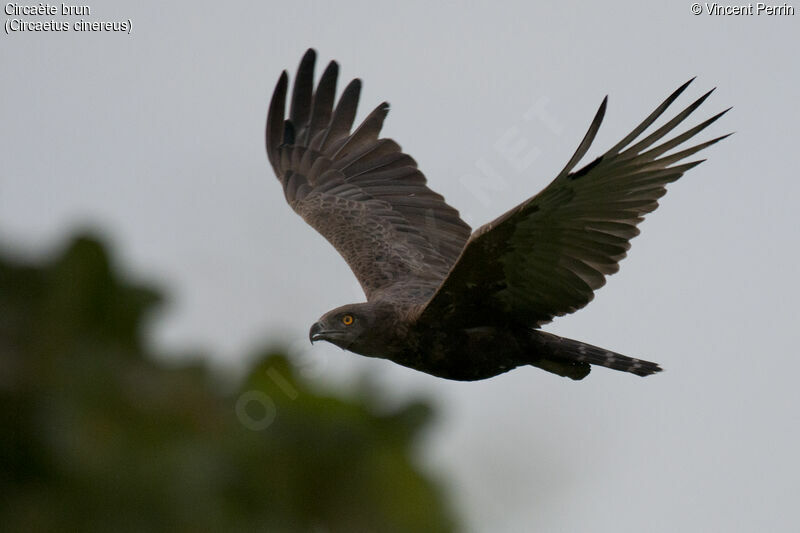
(99, 434)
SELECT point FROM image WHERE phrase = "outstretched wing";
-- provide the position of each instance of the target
(546, 257)
(360, 192)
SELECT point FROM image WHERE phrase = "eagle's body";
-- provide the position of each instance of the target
(442, 299)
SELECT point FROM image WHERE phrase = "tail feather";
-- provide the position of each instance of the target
(558, 352)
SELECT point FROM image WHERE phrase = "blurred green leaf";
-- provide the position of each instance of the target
(97, 434)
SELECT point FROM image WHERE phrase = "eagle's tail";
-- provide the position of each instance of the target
(571, 358)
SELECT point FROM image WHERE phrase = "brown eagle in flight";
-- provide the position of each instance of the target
(441, 298)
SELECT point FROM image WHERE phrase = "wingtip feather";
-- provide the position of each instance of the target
(594, 127)
(303, 90)
(274, 129)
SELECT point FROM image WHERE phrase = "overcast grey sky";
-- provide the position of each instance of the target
(155, 139)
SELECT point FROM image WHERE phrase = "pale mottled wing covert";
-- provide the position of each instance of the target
(546, 257)
(362, 193)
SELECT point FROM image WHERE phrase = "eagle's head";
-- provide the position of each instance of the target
(364, 328)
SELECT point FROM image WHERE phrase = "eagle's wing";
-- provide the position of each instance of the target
(546, 257)
(360, 192)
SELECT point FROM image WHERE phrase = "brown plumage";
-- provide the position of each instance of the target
(442, 299)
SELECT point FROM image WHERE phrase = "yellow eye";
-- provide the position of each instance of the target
(347, 320)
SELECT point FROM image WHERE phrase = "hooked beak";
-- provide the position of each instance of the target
(316, 332)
